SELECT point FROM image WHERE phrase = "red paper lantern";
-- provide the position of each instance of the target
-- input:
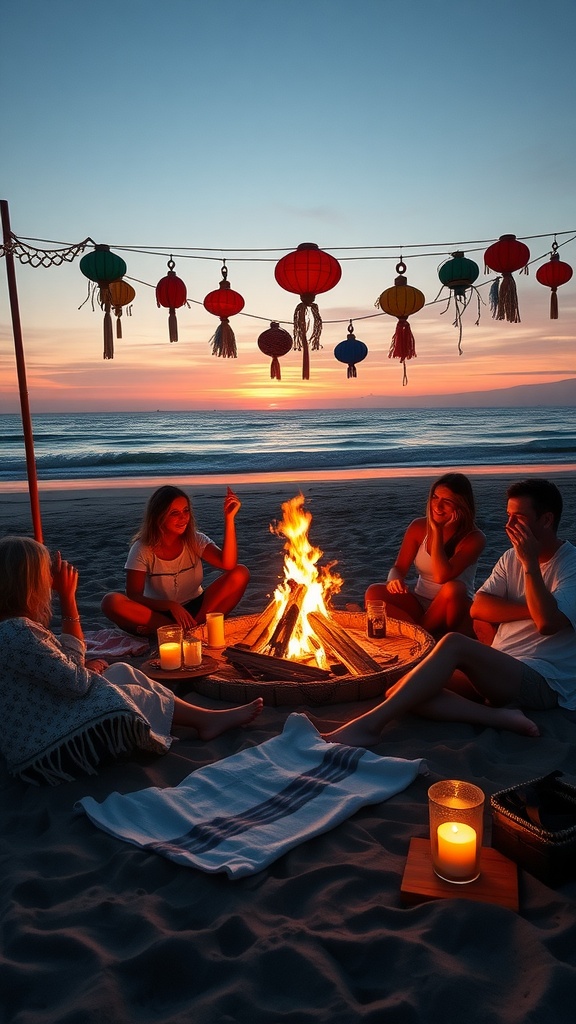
(171, 293)
(275, 342)
(402, 300)
(224, 302)
(118, 294)
(552, 275)
(306, 272)
(505, 256)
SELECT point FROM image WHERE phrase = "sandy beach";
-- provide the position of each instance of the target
(96, 928)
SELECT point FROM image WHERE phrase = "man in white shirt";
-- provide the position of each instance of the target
(531, 595)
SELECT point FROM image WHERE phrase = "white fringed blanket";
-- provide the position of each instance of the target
(242, 813)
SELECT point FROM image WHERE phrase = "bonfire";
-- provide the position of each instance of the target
(297, 636)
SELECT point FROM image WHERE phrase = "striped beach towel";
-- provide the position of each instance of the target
(242, 813)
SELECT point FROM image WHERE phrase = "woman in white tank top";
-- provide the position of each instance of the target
(444, 547)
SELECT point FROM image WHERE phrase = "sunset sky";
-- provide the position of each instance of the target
(239, 129)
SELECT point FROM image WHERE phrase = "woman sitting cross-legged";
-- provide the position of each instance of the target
(62, 716)
(444, 547)
(164, 568)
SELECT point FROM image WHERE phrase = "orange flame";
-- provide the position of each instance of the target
(300, 568)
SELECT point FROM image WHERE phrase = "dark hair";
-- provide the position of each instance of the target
(461, 488)
(26, 579)
(543, 494)
(157, 506)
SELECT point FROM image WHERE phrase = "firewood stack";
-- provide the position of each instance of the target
(263, 651)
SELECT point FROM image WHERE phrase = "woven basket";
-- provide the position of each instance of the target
(408, 642)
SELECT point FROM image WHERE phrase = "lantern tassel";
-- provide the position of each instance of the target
(508, 300)
(118, 325)
(493, 297)
(553, 304)
(352, 371)
(108, 335)
(223, 341)
(403, 346)
(301, 340)
(172, 325)
(275, 368)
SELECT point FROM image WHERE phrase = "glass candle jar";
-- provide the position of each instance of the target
(170, 647)
(456, 828)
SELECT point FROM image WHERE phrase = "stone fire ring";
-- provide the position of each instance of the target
(408, 642)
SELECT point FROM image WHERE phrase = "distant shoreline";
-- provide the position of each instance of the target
(106, 484)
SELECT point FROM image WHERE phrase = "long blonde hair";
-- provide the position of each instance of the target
(26, 588)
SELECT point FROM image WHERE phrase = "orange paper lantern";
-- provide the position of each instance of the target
(402, 300)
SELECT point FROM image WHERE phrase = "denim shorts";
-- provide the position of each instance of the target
(535, 693)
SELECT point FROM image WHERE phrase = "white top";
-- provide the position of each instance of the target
(177, 579)
(425, 585)
(553, 656)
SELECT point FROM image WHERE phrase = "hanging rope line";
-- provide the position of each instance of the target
(22, 249)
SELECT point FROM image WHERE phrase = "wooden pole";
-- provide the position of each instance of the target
(21, 368)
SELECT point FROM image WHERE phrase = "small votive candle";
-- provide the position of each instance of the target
(215, 628)
(170, 656)
(170, 647)
(192, 651)
(456, 827)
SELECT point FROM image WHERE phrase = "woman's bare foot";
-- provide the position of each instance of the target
(356, 734)
(515, 720)
(211, 724)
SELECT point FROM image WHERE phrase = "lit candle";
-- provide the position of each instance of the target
(456, 850)
(170, 656)
(215, 626)
(192, 651)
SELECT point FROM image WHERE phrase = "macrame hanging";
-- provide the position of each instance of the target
(307, 272)
(224, 302)
(275, 342)
(101, 266)
(171, 293)
(552, 275)
(351, 351)
(505, 256)
(402, 300)
(458, 274)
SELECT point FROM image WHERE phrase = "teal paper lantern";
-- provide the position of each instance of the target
(102, 267)
(459, 274)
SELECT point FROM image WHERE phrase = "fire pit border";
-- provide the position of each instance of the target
(336, 689)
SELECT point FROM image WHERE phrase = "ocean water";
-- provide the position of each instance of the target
(71, 446)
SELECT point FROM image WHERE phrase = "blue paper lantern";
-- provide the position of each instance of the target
(351, 351)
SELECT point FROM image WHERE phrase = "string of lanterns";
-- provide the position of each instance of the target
(307, 272)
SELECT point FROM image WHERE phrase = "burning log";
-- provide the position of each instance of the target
(278, 643)
(259, 634)
(337, 639)
(273, 668)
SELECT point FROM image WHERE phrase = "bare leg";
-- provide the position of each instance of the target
(449, 610)
(132, 616)
(209, 723)
(494, 676)
(225, 592)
